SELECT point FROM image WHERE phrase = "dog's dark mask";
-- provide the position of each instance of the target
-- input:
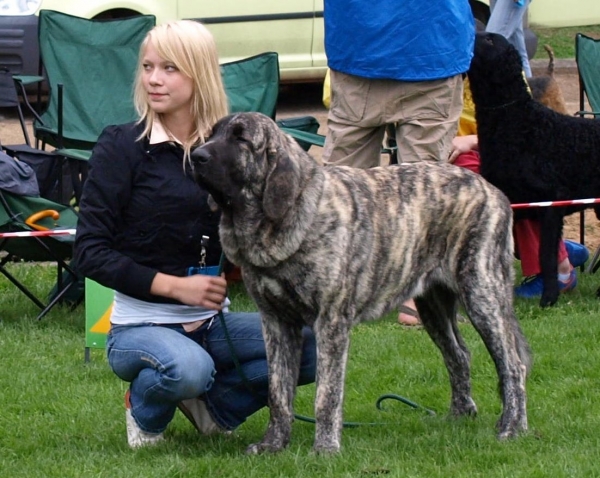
(216, 171)
(221, 165)
(245, 160)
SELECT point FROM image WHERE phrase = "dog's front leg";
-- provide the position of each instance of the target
(283, 343)
(333, 340)
(550, 234)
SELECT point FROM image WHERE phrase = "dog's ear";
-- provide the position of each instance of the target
(281, 185)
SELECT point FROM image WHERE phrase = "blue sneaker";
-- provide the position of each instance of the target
(530, 288)
(578, 253)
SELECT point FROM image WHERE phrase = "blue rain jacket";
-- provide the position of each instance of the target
(408, 40)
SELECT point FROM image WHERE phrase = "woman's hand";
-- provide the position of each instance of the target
(462, 144)
(197, 289)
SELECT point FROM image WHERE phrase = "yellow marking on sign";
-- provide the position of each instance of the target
(103, 324)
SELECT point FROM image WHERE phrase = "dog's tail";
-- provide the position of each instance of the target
(550, 52)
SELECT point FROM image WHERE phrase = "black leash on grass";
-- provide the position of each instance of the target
(302, 418)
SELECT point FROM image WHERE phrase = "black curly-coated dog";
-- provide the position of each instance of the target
(529, 151)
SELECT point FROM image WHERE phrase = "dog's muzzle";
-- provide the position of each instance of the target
(201, 156)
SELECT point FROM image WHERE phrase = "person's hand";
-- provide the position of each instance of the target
(462, 144)
(205, 291)
(197, 290)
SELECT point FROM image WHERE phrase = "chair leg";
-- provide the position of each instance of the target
(594, 263)
(22, 93)
(582, 232)
(23, 125)
(54, 301)
(62, 286)
(20, 286)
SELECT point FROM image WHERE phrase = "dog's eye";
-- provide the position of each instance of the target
(242, 139)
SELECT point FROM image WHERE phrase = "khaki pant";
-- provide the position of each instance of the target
(425, 114)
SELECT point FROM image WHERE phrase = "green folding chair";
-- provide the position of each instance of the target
(21, 219)
(95, 62)
(90, 67)
(587, 57)
(252, 84)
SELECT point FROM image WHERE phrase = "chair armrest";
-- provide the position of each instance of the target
(28, 79)
(21, 81)
(583, 113)
(311, 138)
(79, 154)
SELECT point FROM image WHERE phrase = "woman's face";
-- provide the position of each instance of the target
(169, 91)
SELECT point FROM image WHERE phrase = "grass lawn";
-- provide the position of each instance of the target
(562, 40)
(62, 417)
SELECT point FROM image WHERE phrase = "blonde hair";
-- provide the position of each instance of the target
(191, 48)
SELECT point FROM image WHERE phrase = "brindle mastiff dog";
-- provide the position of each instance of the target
(334, 246)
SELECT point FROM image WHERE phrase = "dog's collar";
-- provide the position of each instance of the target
(504, 105)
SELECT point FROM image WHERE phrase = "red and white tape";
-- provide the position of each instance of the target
(71, 232)
(573, 202)
(60, 232)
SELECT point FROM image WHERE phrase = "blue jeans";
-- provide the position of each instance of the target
(165, 365)
(507, 20)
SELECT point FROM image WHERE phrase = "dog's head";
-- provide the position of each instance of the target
(249, 163)
(496, 71)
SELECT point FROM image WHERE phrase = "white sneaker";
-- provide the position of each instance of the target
(196, 412)
(136, 437)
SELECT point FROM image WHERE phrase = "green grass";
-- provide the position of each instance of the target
(562, 40)
(62, 417)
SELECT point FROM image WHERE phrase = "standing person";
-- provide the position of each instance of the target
(141, 224)
(507, 20)
(397, 63)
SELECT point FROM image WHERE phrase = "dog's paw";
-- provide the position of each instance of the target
(264, 447)
(512, 430)
(512, 423)
(326, 448)
(548, 300)
(463, 407)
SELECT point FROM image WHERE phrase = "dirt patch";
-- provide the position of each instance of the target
(591, 229)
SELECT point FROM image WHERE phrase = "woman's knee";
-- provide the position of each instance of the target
(192, 379)
(190, 370)
(168, 360)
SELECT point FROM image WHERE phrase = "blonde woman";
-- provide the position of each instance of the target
(140, 230)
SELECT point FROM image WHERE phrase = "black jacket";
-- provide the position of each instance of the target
(140, 214)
